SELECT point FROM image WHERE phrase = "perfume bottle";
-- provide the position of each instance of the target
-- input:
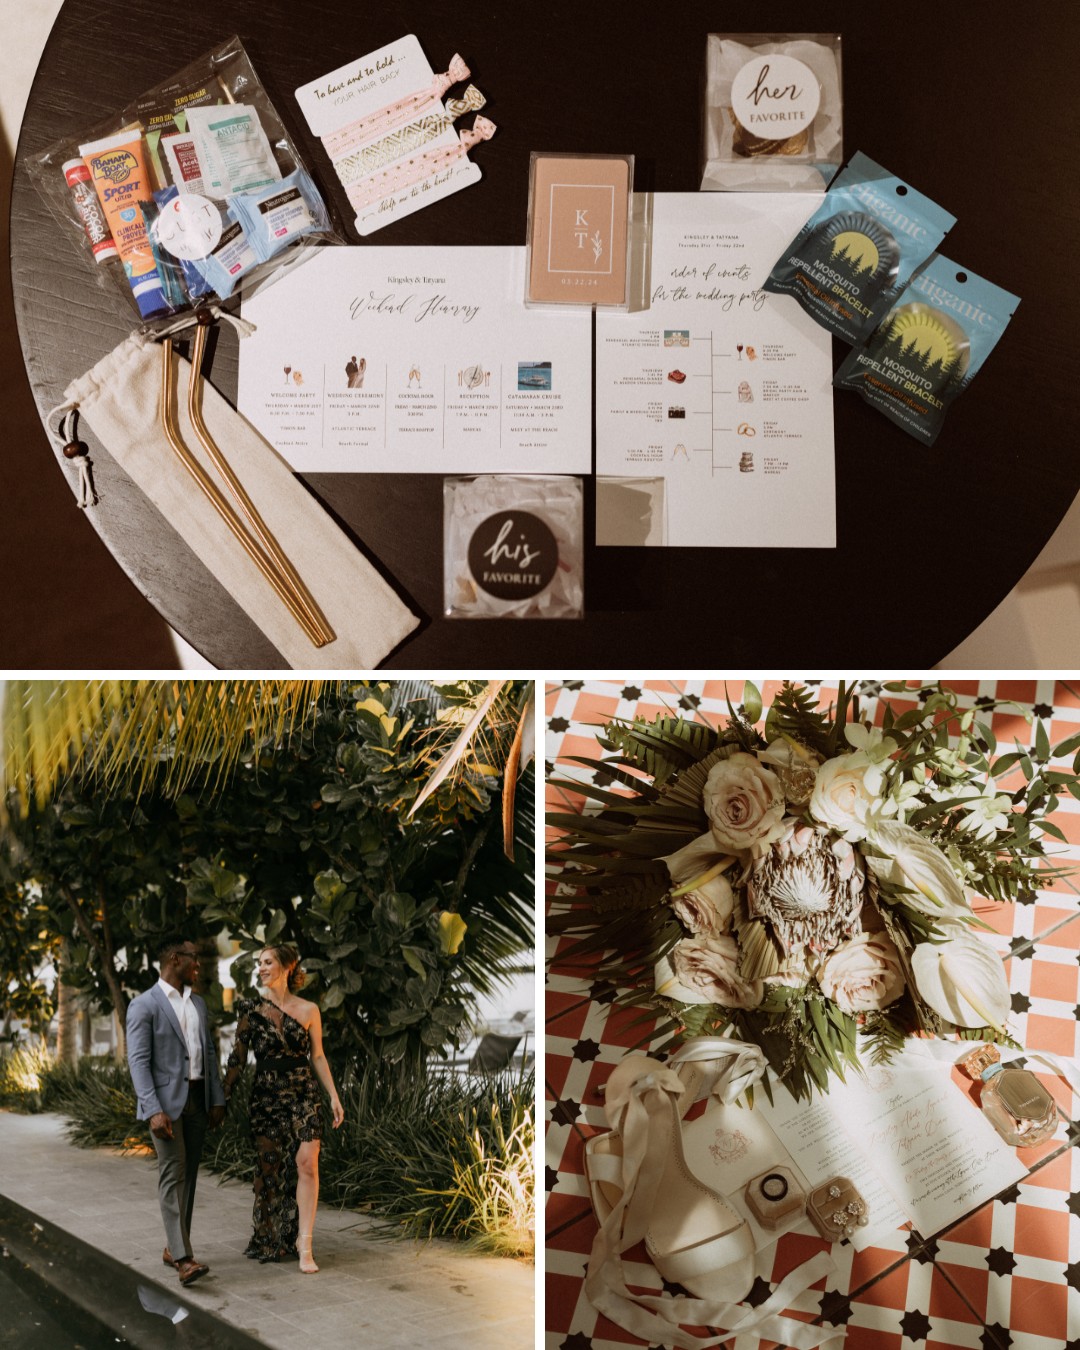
(1013, 1100)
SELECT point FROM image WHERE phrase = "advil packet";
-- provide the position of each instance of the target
(857, 252)
(930, 347)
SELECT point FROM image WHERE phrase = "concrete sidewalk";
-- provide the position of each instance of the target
(369, 1291)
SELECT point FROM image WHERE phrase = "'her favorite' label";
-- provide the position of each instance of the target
(775, 96)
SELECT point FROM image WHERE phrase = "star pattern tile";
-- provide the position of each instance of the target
(972, 1286)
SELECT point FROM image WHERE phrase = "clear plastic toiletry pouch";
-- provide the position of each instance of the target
(860, 248)
(930, 347)
(157, 192)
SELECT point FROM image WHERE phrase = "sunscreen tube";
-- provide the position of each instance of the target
(117, 167)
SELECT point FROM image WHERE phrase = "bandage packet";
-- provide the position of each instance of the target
(857, 252)
(929, 347)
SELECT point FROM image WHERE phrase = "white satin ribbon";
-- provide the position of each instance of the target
(735, 1065)
(641, 1103)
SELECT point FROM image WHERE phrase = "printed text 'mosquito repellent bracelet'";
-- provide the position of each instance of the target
(340, 142)
(406, 172)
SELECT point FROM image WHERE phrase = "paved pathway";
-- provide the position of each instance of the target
(370, 1291)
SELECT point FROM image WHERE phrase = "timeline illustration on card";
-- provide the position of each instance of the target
(716, 389)
(393, 360)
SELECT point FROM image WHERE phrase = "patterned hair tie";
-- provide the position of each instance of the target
(399, 142)
(349, 137)
(406, 172)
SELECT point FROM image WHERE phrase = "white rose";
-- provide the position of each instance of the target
(841, 798)
(708, 907)
(862, 975)
(744, 803)
(702, 970)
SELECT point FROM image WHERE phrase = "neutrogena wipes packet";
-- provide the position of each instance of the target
(857, 252)
(929, 347)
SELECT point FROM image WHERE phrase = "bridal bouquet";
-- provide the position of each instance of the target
(809, 885)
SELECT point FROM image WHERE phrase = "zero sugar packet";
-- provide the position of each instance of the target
(930, 347)
(857, 252)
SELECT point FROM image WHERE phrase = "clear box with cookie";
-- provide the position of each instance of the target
(773, 112)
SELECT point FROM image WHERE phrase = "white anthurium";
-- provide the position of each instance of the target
(920, 868)
(963, 980)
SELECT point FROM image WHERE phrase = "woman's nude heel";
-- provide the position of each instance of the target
(307, 1261)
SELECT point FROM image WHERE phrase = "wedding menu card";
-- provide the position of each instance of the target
(406, 360)
(718, 389)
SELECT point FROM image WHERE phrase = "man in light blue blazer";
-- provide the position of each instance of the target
(175, 1073)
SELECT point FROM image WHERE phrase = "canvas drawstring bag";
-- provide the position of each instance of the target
(292, 547)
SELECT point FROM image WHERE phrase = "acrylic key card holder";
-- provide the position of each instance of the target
(579, 230)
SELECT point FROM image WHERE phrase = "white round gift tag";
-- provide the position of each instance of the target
(775, 96)
(189, 226)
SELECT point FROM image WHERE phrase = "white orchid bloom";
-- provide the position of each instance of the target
(985, 816)
(876, 746)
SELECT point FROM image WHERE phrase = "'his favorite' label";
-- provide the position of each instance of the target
(513, 555)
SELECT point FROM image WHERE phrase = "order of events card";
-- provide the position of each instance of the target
(406, 360)
(721, 390)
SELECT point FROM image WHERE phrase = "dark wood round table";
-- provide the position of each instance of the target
(974, 106)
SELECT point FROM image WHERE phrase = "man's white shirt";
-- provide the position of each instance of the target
(189, 1025)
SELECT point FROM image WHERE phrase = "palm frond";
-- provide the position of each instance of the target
(130, 733)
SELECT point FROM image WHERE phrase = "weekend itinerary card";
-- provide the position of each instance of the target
(406, 360)
(715, 404)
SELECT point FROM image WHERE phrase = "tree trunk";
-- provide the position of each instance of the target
(67, 1011)
(86, 1018)
(104, 950)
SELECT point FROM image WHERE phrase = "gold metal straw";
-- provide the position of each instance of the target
(214, 495)
(247, 507)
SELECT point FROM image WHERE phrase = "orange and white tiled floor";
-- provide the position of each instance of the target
(1007, 1275)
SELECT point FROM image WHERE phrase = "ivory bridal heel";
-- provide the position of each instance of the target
(691, 1233)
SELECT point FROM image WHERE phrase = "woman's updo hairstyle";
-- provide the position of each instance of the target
(289, 957)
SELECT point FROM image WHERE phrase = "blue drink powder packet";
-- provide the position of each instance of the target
(857, 252)
(274, 216)
(929, 347)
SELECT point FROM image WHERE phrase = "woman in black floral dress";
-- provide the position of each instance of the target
(285, 1033)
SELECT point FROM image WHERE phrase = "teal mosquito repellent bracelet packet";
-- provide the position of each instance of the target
(929, 347)
(857, 252)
